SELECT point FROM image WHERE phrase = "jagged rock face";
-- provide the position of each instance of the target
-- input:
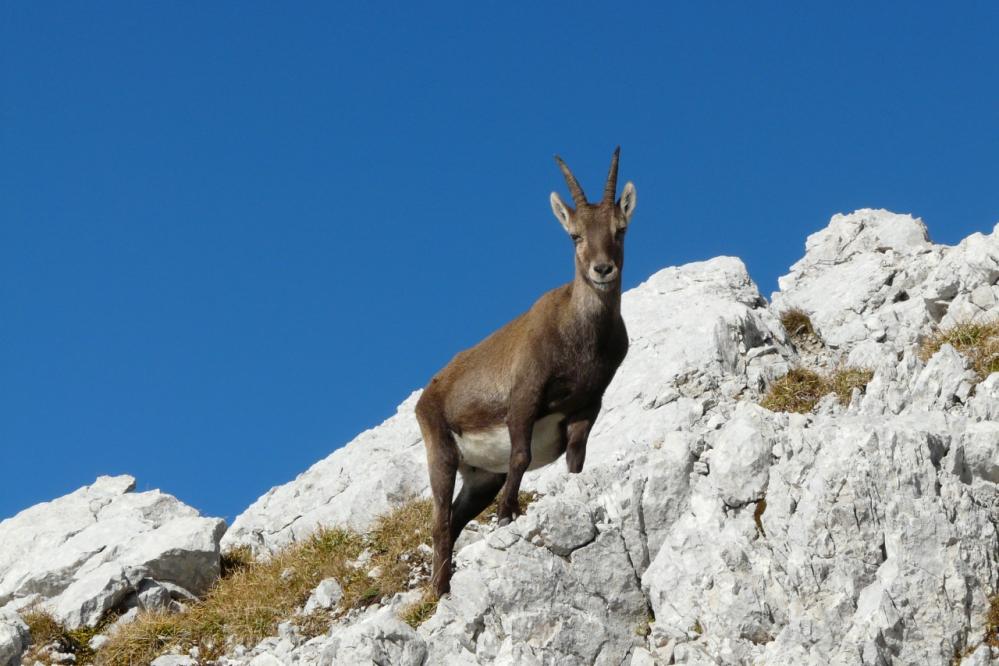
(873, 283)
(103, 547)
(14, 638)
(859, 534)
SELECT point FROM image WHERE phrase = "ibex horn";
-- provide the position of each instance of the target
(610, 189)
(574, 188)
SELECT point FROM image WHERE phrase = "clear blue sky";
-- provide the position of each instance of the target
(233, 235)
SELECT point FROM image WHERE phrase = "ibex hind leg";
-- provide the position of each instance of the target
(479, 487)
(442, 463)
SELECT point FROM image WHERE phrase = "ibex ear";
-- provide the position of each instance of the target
(561, 212)
(627, 201)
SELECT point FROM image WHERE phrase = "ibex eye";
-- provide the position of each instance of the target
(575, 238)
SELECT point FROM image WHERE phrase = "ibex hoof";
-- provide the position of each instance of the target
(503, 522)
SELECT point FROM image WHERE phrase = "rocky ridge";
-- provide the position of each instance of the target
(100, 549)
(706, 529)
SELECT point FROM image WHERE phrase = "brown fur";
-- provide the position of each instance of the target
(558, 357)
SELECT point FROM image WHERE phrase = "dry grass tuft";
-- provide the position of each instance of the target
(247, 604)
(46, 630)
(420, 611)
(797, 323)
(797, 391)
(524, 499)
(844, 380)
(394, 544)
(236, 559)
(977, 341)
(801, 389)
(992, 623)
(150, 635)
(43, 627)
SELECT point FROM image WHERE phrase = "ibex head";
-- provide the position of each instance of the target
(597, 229)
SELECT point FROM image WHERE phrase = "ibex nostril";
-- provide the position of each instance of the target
(603, 270)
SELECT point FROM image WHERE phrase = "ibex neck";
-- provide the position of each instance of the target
(588, 302)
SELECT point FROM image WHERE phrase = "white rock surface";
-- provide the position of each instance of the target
(740, 460)
(326, 595)
(174, 660)
(14, 638)
(103, 546)
(381, 638)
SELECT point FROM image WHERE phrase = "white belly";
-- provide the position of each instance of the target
(490, 449)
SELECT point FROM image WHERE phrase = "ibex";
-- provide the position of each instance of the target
(530, 391)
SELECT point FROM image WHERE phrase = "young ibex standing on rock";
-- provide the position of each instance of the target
(532, 390)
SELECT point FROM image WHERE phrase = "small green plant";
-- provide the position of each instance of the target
(801, 389)
(797, 323)
(977, 341)
(644, 628)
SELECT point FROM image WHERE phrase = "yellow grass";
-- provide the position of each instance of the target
(796, 322)
(420, 611)
(255, 597)
(977, 341)
(45, 630)
(247, 605)
(801, 389)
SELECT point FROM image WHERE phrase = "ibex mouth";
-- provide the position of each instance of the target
(603, 286)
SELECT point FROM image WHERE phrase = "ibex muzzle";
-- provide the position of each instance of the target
(532, 390)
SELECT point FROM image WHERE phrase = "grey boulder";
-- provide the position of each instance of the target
(99, 547)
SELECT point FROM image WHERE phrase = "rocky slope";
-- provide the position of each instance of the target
(706, 529)
(102, 548)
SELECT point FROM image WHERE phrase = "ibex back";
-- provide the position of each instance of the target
(530, 391)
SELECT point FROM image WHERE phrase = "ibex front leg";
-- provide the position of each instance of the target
(577, 434)
(520, 423)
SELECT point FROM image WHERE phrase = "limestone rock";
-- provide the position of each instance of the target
(381, 638)
(945, 381)
(740, 461)
(174, 660)
(85, 553)
(513, 600)
(326, 595)
(14, 638)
